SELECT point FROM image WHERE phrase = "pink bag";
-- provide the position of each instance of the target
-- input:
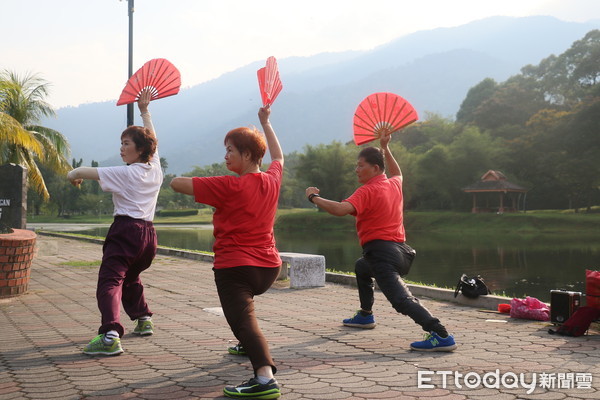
(529, 308)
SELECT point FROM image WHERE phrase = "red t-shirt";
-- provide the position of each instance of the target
(244, 217)
(379, 209)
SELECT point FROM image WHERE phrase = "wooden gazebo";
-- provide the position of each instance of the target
(496, 193)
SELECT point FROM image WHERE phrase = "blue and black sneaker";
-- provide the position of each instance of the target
(433, 342)
(253, 389)
(360, 321)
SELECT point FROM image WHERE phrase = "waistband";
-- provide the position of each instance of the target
(381, 241)
(123, 218)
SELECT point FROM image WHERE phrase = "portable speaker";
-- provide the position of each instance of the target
(563, 304)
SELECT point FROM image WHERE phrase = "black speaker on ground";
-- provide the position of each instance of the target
(563, 304)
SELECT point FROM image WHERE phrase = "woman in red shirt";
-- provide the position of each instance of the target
(246, 260)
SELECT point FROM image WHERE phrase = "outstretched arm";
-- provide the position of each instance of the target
(272, 141)
(337, 208)
(183, 185)
(77, 175)
(391, 165)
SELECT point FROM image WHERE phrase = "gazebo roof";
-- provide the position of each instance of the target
(494, 181)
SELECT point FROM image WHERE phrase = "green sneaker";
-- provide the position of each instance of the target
(237, 350)
(252, 389)
(143, 327)
(98, 346)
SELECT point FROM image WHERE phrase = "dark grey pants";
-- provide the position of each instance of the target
(387, 262)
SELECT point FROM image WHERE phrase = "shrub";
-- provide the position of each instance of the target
(176, 213)
(5, 228)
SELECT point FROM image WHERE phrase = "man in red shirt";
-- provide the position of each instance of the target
(378, 208)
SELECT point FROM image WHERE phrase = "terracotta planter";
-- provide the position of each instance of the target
(16, 253)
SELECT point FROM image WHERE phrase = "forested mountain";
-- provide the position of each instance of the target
(540, 128)
(433, 69)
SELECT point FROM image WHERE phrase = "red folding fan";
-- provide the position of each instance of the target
(159, 75)
(379, 114)
(269, 82)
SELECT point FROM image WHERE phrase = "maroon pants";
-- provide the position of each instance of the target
(237, 287)
(129, 248)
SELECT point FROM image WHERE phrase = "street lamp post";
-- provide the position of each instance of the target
(130, 72)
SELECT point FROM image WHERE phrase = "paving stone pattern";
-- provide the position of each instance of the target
(43, 331)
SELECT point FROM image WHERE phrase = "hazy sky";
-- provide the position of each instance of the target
(81, 46)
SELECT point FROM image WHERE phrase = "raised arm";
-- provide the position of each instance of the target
(391, 165)
(272, 141)
(143, 102)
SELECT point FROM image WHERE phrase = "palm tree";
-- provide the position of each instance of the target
(22, 140)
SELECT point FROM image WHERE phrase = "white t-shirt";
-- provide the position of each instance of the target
(134, 187)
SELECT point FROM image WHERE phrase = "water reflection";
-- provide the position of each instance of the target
(516, 265)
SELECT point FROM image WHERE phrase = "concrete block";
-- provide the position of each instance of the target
(304, 270)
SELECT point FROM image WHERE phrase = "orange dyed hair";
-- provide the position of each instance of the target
(248, 140)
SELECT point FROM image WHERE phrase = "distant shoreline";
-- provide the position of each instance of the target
(443, 221)
(530, 223)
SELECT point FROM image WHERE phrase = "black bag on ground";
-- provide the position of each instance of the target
(471, 287)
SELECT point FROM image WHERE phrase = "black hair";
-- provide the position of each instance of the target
(373, 156)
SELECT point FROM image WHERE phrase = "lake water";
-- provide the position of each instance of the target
(513, 265)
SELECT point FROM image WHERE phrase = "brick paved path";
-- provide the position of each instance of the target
(43, 331)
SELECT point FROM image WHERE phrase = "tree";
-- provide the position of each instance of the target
(444, 170)
(22, 141)
(215, 169)
(95, 186)
(423, 136)
(512, 103)
(432, 190)
(581, 151)
(164, 165)
(566, 79)
(477, 95)
(292, 189)
(330, 168)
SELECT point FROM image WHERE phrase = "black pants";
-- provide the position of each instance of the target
(387, 262)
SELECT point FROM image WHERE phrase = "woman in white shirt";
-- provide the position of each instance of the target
(130, 244)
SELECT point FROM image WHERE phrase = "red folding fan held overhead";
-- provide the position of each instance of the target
(269, 82)
(159, 75)
(379, 114)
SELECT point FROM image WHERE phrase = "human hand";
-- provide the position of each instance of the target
(144, 100)
(312, 190)
(384, 140)
(74, 181)
(263, 114)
